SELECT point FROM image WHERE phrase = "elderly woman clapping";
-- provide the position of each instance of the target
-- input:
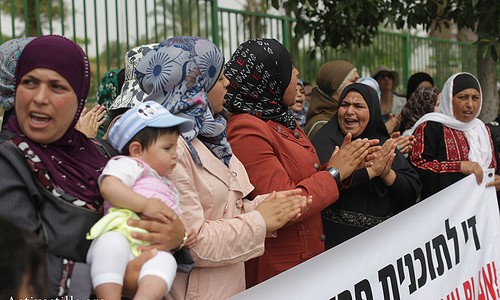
(373, 194)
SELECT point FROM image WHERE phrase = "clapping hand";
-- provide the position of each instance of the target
(393, 123)
(90, 121)
(383, 159)
(350, 155)
(277, 211)
(403, 142)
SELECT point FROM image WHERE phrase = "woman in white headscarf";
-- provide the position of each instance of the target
(452, 142)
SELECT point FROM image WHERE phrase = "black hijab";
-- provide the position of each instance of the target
(415, 80)
(331, 135)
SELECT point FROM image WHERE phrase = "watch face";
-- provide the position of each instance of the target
(335, 173)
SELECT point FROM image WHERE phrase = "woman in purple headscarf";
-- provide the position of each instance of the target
(50, 170)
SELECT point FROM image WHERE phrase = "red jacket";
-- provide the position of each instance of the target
(277, 158)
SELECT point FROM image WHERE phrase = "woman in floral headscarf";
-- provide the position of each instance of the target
(185, 75)
(276, 152)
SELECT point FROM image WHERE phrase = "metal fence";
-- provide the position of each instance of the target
(107, 28)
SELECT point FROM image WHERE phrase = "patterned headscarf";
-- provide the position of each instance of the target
(421, 102)
(178, 74)
(259, 72)
(110, 86)
(415, 80)
(131, 94)
(73, 162)
(9, 54)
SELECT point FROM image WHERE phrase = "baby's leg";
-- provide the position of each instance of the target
(108, 255)
(156, 276)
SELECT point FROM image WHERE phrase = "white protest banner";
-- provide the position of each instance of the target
(445, 247)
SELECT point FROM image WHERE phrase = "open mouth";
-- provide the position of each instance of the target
(39, 119)
(351, 122)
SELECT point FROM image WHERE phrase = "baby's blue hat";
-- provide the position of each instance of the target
(145, 114)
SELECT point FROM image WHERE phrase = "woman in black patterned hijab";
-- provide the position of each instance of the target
(277, 154)
(260, 71)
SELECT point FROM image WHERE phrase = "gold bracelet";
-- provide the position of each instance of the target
(183, 244)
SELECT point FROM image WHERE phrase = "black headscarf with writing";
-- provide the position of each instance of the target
(259, 72)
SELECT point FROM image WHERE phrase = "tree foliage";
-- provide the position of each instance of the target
(340, 23)
(35, 14)
(479, 15)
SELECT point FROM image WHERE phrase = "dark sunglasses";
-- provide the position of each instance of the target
(384, 75)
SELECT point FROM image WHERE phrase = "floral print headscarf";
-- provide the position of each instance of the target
(9, 55)
(110, 86)
(131, 94)
(178, 74)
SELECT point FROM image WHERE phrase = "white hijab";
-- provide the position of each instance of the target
(475, 131)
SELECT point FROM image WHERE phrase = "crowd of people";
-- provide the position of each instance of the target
(196, 178)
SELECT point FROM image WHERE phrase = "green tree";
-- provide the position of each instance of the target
(34, 14)
(338, 23)
(481, 16)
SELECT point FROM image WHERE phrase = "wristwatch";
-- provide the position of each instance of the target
(335, 174)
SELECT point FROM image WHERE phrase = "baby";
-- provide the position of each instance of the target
(137, 182)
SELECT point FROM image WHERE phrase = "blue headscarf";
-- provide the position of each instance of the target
(179, 73)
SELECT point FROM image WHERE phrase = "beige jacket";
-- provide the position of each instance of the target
(229, 230)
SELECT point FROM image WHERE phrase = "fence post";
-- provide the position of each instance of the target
(286, 32)
(406, 59)
(214, 14)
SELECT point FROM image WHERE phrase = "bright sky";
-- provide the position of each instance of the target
(6, 24)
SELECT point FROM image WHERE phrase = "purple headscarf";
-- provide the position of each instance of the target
(73, 163)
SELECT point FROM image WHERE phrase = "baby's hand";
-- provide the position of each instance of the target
(192, 238)
(157, 210)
